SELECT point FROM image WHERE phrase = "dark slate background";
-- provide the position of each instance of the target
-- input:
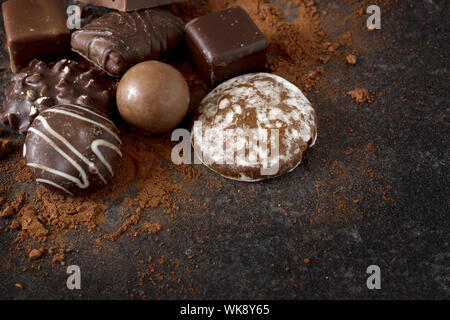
(253, 240)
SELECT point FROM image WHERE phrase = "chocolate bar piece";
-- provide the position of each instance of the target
(225, 44)
(118, 40)
(35, 29)
(130, 5)
(39, 87)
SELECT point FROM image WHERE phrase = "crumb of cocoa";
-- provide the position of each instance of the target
(350, 59)
(7, 212)
(360, 95)
(59, 258)
(35, 254)
(152, 227)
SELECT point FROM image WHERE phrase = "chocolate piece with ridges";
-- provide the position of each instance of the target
(39, 86)
(225, 44)
(35, 29)
(72, 149)
(118, 40)
(130, 5)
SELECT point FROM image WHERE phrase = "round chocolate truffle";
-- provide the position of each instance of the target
(153, 97)
(254, 127)
(73, 149)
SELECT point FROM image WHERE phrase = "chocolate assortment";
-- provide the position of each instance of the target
(72, 149)
(130, 5)
(153, 97)
(40, 86)
(65, 107)
(225, 44)
(118, 40)
(35, 29)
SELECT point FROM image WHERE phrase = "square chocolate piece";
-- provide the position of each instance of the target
(225, 44)
(130, 5)
(35, 29)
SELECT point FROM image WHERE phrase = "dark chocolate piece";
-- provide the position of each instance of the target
(72, 149)
(130, 5)
(118, 40)
(225, 44)
(39, 87)
(35, 29)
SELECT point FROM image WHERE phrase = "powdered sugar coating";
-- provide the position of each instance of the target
(245, 114)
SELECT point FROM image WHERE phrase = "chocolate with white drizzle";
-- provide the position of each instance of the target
(72, 149)
(40, 86)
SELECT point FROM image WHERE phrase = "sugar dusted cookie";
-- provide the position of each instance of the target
(254, 127)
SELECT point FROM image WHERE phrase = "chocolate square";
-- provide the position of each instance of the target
(225, 44)
(130, 5)
(35, 29)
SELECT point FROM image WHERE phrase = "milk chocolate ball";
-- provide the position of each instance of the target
(153, 97)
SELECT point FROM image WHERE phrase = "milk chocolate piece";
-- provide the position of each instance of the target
(118, 40)
(35, 29)
(160, 98)
(39, 87)
(225, 44)
(72, 149)
(130, 5)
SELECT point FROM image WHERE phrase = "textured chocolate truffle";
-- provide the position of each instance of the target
(39, 87)
(153, 97)
(254, 127)
(72, 149)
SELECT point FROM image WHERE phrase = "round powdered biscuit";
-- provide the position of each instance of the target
(254, 127)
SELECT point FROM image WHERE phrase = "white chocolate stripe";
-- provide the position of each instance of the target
(54, 184)
(95, 149)
(76, 116)
(69, 146)
(82, 185)
(57, 172)
(90, 111)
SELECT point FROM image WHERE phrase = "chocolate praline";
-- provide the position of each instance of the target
(41, 86)
(72, 149)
